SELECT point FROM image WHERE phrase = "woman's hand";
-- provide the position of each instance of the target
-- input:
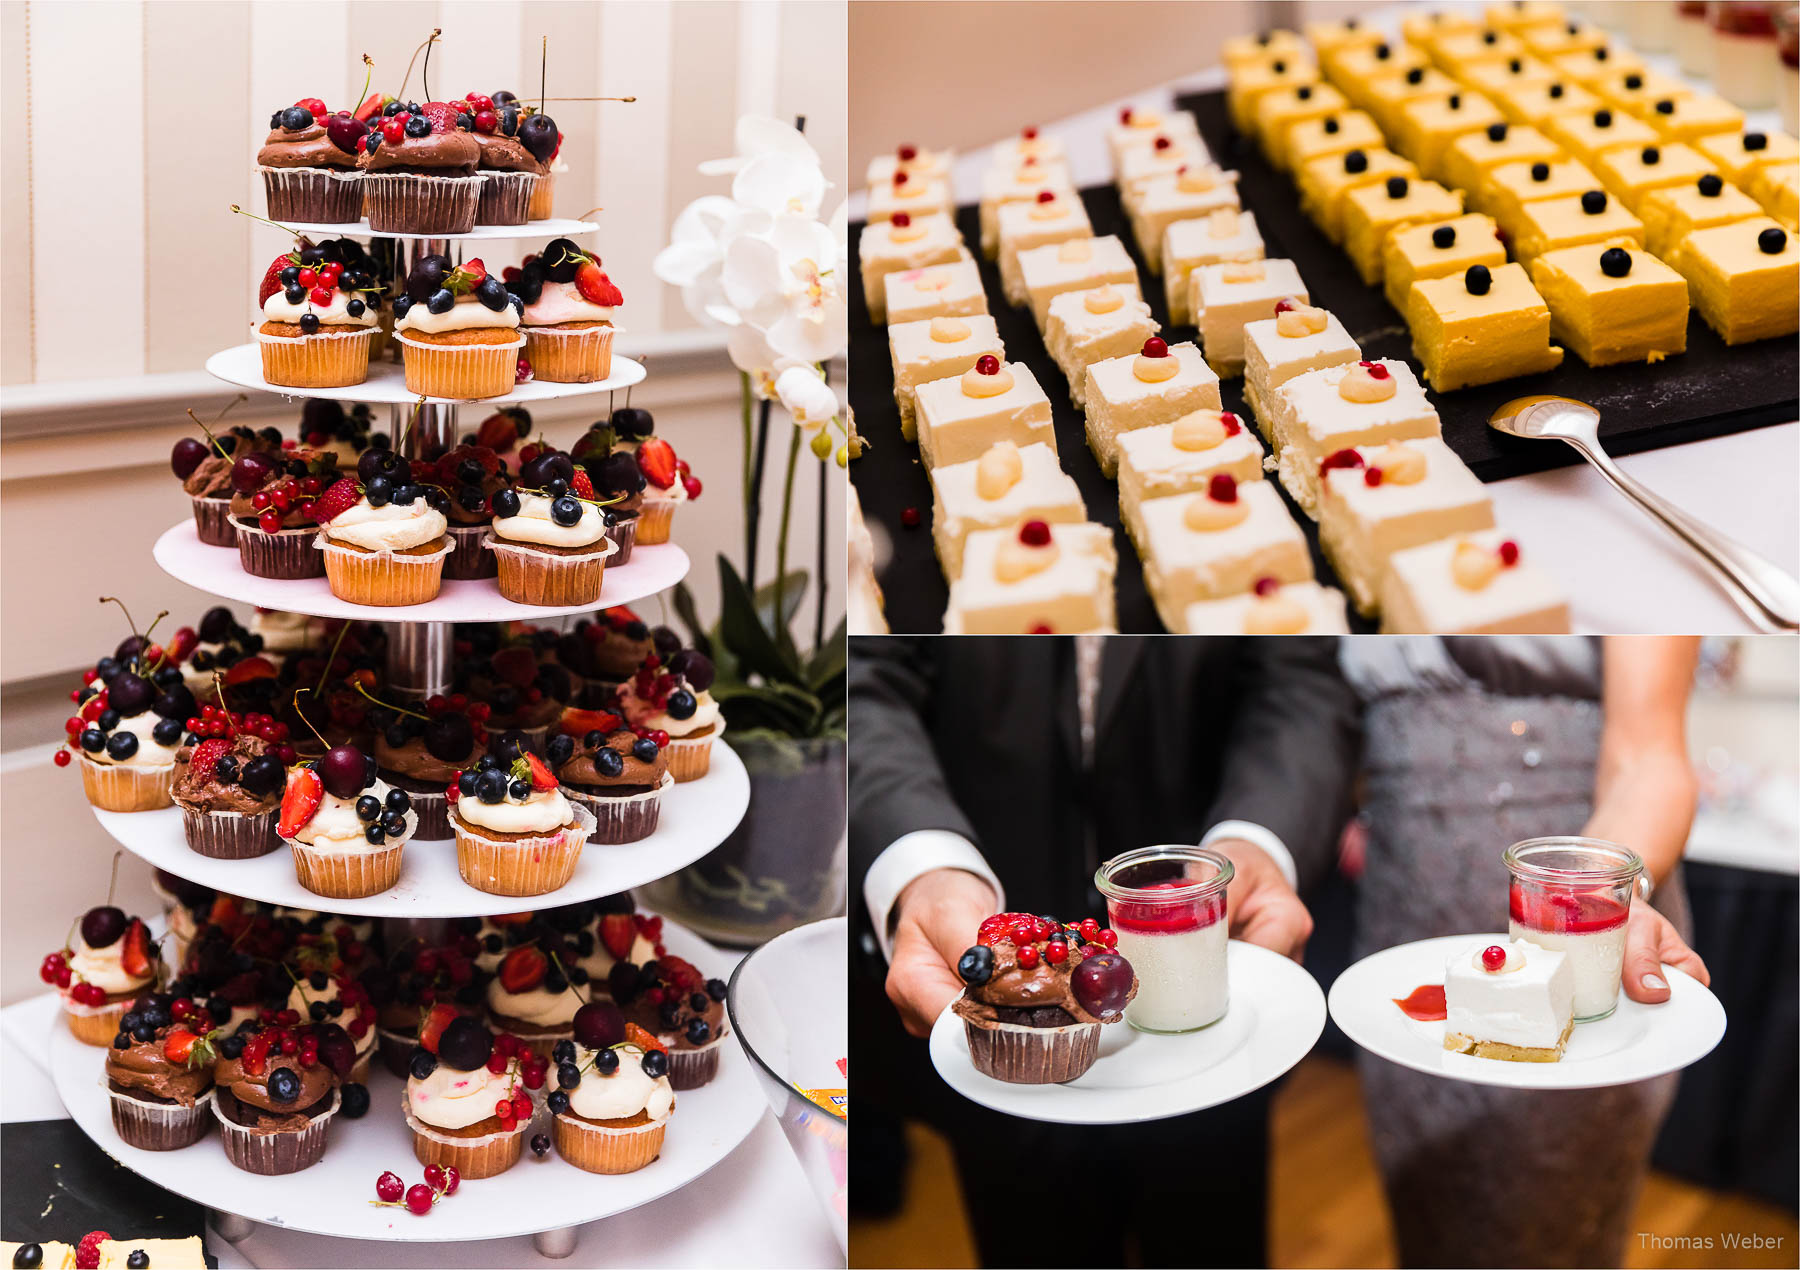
(1263, 908)
(940, 912)
(1651, 942)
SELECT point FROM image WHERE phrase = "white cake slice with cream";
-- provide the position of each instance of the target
(1512, 1001)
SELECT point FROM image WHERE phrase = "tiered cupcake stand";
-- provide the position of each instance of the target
(547, 1198)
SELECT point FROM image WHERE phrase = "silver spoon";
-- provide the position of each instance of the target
(1768, 595)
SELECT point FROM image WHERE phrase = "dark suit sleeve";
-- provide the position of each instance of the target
(1293, 748)
(896, 784)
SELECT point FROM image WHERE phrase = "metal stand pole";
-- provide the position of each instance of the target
(555, 1244)
(232, 1228)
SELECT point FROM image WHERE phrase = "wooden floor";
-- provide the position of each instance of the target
(1327, 1207)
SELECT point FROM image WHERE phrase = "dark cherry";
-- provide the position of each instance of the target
(130, 694)
(343, 771)
(1101, 984)
(250, 472)
(633, 421)
(538, 134)
(695, 667)
(187, 455)
(102, 926)
(345, 130)
(449, 737)
(598, 1025)
(465, 1045)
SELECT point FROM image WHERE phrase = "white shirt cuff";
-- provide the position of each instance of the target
(913, 854)
(1256, 835)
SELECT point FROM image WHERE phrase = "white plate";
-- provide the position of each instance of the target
(1635, 1043)
(218, 570)
(330, 1197)
(555, 227)
(696, 816)
(387, 382)
(1277, 1012)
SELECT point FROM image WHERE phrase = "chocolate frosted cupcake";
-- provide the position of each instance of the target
(524, 693)
(273, 1108)
(204, 469)
(619, 776)
(160, 1082)
(1036, 997)
(509, 171)
(424, 753)
(415, 977)
(271, 504)
(685, 1011)
(229, 791)
(307, 175)
(419, 173)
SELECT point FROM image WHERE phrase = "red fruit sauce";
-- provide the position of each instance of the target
(1166, 919)
(1425, 1003)
(1565, 912)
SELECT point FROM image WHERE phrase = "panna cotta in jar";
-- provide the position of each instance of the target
(1573, 896)
(1166, 905)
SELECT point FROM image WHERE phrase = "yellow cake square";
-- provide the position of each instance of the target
(1590, 217)
(1744, 278)
(1480, 327)
(1613, 304)
(1671, 214)
(1432, 250)
(1372, 212)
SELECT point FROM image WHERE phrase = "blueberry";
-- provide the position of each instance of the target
(655, 1064)
(492, 294)
(564, 1052)
(606, 1062)
(232, 1047)
(122, 745)
(167, 733)
(93, 740)
(368, 807)
(394, 822)
(698, 1033)
(122, 1040)
(137, 1260)
(399, 800)
(226, 768)
(519, 790)
(697, 1002)
(976, 966)
(288, 276)
(284, 1085)
(294, 118)
(568, 1076)
(143, 1032)
(317, 1012)
(402, 306)
(608, 762)
(108, 720)
(309, 323)
(356, 308)
(465, 784)
(682, 704)
(356, 1100)
(645, 749)
(566, 510)
(440, 301)
(558, 1102)
(422, 1064)
(375, 834)
(715, 988)
(490, 786)
(418, 126)
(506, 503)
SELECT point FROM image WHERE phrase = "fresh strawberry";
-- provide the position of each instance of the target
(271, 282)
(304, 794)
(335, 501)
(179, 1045)
(248, 669)
(618, 932)
(656, 460)
(206, 756)
(681, 974)
(642, 1039)
(441, 114)
(516, 665)
(183, 645)
(256, 1051)
(435, 1022)
(501, 430)
(523, 969)
(137, 956)
(226, 909)
(372, 107)
(583, 487)
(538, 773)
(578, 723)
(596, 287)
(476, 270)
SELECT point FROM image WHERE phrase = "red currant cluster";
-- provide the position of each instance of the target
(1059, 939)
(480, 105)
(273, 502)
(55, 971)
(652, 685)
(321, 283)
(440, 1180)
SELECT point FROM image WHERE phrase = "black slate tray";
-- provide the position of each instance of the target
(59, 1185)
(1708, 391)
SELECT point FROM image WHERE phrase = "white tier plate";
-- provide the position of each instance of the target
(555, 227)
(1277, 1012)
(329, 1198)
(387, 382)
(696, 817)
(1633, 1043)
(217, 570)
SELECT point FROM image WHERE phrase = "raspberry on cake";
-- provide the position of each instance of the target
(1357, 403)
(1035, 578)
(1091, 326)
(1220, 237)
(941, 348)
(1470, 584)
(1005, 486)
(1079, 264)
(1434, 249)
(1218, 541)
(1179, 457)
(906, 242)
(1225, 297)
(1512, 1001)
(959, 418)
(944, 290)
(1480, 326)
(1159, 384)
(1613, 304)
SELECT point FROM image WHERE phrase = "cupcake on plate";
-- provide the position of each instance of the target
(205, 651)
(319, 323)
(619, 776)
(470, 475)
(159, 1076)
(229, 790)
(466, 1098)
(384, 544)
(671, 705)
(613, 1097)
(458, 330)
(272, 506)
(113, 960)
(618, 483)
(1036, 997)
(345, 826)
(486, 940)
(678, 1005)
(516, 834)
(568, 317)
(524, 692)
(128, 729)
(204, 470)
(668, 482)
(549, 535)
(319, 996)
(536, 992)
(273, 1107)
(419, 171)
(619, 932)
(309, 167)
(416, 977)
(602, 653)
(423, 753)
(325, 424)
(515, 141)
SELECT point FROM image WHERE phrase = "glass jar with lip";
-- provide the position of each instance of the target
(1573, 895)
(1167, 906)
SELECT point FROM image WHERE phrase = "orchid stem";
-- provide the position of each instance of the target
(781, 540)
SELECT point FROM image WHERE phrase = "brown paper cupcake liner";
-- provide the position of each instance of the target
(231, 835)
(119, 787)
(346, 875)
(487, 1156)
(578, 356)
(690, 1069)
(212, 521)
(543, 197)
(471, 560)
(599, 1149)
(395, 1049)
(384, 579)
(95, 1025)
(654, 520)
(623, 533)
(690, 758)
(272, 1154)
(528, 576)
(630, 818)
(505, 198)
(313, 196)
(335, 359)
(461, 372)
(285, 554)
(522, 866)
(1033, 1055)
(160, 1126)
(406, 203)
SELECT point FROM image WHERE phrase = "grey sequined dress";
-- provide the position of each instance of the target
(1472, 745)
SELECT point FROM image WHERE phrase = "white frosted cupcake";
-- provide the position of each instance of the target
(551, 551)
(463, 349)
(453, 1108)
(132, 766)
(613, 1118)
(308, 344)
(339, 852)
(569, 328)
(517, 834)
(675, 702)
(387, 554)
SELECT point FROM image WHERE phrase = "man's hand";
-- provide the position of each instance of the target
(1650, 941)
(939, 913)
(1263, 908)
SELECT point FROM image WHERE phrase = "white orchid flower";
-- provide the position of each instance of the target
(758, 135)
(806, 396)
(751, 353)
(781, 184)
(694, 259)
(789, 284)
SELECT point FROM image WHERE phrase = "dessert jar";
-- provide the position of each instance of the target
(1167, 906)
(1573, 895)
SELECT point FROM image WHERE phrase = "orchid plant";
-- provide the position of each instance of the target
(763, 265)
